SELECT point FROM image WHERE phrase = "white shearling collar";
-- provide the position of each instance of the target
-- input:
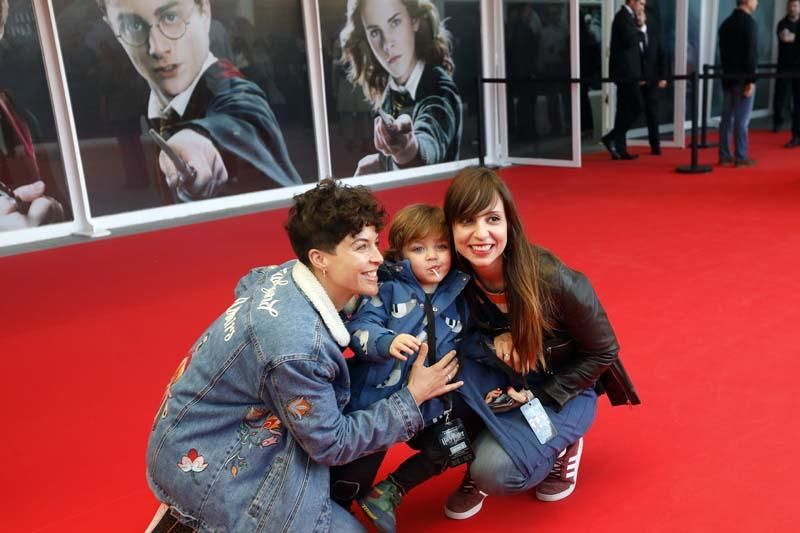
(312, 288)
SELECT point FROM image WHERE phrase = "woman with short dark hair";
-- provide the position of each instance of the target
(252, 419)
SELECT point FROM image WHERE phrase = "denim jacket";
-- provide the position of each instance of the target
(252, 419)
(399, 308)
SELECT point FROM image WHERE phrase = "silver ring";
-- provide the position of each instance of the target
(448, 377)
(506, 356)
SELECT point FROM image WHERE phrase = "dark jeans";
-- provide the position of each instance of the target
(354, 480)
(783, 88)
(736, 109)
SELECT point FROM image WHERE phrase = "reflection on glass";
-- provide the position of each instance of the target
(397, 90)
(32, 183)
(658, 58)
(590, 28)
(218, 84)
(539, 113)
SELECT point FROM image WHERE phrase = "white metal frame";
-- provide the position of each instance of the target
(316, 77)
(492, 65)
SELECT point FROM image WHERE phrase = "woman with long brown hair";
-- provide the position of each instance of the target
(542, 349)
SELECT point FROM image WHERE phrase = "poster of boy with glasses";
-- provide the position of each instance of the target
(215, 121)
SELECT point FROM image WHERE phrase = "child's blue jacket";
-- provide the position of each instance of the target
(399, 308)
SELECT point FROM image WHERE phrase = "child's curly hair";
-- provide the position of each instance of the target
(323, 216)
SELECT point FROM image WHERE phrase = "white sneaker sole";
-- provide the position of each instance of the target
(555, 497)
(466, 514)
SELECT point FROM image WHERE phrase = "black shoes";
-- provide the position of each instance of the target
(616, 154)
(609, 144)
(655, 150)
(794, 142)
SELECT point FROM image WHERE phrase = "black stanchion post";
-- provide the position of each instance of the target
(706, 78)
(694, 168)
(481, 159)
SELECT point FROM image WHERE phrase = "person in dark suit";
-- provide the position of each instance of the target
(627, 44)
(788, 61)
(738, 49)
(654, 72)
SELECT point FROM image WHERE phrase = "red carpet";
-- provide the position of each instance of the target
(697, 272)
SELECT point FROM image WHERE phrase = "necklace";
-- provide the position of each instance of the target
(496, 297)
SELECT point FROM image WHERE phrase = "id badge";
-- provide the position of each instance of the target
(538, 420)
(452, 437)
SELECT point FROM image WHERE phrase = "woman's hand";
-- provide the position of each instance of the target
(397, 140)
(403, 345)
(426, 382)
(504, 350)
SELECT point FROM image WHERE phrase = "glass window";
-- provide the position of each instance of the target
(31, 167)
(224, 83)
(693, 53)
(400, 81)
(537, 42)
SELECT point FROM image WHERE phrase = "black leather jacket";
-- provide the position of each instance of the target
(581, 351)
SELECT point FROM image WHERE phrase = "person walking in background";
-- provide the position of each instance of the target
(788, 62)
(654, 72)
(738, 53)
(627, 46)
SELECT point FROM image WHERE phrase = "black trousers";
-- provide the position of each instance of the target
(354, 480)
(629, 105)
(650, 94)
(587, 120)
(783, 88)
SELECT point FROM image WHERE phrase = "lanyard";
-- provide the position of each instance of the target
(430, 330)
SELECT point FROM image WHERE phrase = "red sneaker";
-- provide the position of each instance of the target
(466, 501)
(560, 482)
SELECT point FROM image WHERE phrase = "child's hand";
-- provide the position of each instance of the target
(403, 345)
(492, 395)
